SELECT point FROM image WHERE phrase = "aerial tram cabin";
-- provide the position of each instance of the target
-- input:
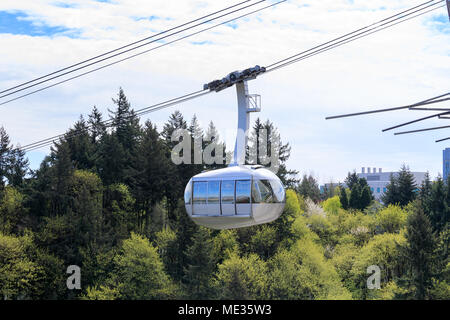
(239, 195)
(234, 197)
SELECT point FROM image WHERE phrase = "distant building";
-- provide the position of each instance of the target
(445, 163)
(378, 180)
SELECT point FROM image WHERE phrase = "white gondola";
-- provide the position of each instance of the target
(234, 197)
(240, 195)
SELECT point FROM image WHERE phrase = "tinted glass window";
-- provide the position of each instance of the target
(228, 191)
(243, 188)
(187, 193)
(278, 191)
(262, 192)
(199, 195)
(213, 192)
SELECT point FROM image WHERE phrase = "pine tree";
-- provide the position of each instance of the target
(197, 146)
(18, 167)
(424, 195)
(355, 197)
(177, 175)
(119, 149)
(343, 198)
(79, 142)
(150, 168)
(201, 264)
(391, 196)
(309, 188)
(419, 252)
(351, 180)
(213, 144)
(96, 126)
(62, 172)
(268, 150)
(437, 206)
(406, 186)
(366, 198)
(5, 153)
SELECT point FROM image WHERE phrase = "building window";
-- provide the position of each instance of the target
(378, 190)
(384, 189)
(371, 189)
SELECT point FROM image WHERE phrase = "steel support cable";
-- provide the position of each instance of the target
(123, 47)
(416, 120)
(421, 130)
(348, 34)
(140, 53)
(411, 107)
(125, 51)
(107, 123)
(347, 41)
(355, 32)
(333, 44)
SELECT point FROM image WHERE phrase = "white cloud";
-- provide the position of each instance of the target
(401, 65)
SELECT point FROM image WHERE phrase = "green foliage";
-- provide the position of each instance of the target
(201, 264)
(391, 219)
(18, 272)
(11, 210)
(241, 278)
(309, 188)
(303, 273)
(166, 242)
(332, 205)
(138, 274)
(111, 202)
(281, 227)
(382, 251)
(401, 189)
(264, 242)
(419, 254)
(225, 245)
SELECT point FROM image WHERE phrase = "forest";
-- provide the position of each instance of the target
(109, 199)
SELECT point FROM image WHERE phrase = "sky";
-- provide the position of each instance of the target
(398, 66)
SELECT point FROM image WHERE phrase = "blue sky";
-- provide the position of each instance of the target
(406, 64)
(19, 23)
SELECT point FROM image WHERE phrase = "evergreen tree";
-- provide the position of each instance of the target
(5, 151)
(392, 195)
(366, 198)
(438, 213)
(355, 197)
(151, 167)
(18, 167)
(201, 264)
(81, 148)
(197, 162)
(96, 126)
(351, 180)
(268, 150)
(177, 175)
(406, 186)
(213, 144)
(418, 252)
(120, 147)
(62, 172)
(343, 198)
(309, 188)
(424, 195)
